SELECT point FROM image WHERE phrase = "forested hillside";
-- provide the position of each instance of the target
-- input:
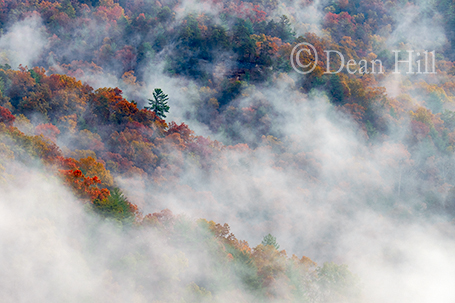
(137, 137)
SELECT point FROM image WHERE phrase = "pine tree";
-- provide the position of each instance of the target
(270, 240)
(159, 104)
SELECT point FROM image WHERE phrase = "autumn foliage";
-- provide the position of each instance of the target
(6, 116)
(236, 82)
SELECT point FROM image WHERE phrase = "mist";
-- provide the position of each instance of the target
(20, 38)
(295, 163)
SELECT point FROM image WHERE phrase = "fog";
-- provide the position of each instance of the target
(53, 249)
(23, 36)
(345, 199)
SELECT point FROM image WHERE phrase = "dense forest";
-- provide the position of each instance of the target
(137, 137)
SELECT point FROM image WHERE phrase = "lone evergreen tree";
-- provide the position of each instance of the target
(159, 104)
(270, 240)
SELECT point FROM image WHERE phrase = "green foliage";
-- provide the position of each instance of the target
(165, 14)
(336, 89)
(116, 206)
(281, 29)
(244, 46)
(435, 102)
(231, 89)
(448, 117)
(134, 142)
(68, 8)
(435, 202)
(196, 294)
(159, 103)
(337, 283)
(243, 267)
(35, 75)
(270, 240)
(371, 130)
(145, 51)
(6, 66)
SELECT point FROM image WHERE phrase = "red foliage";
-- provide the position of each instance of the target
(201, 147)
(127, 55)
(332, 18)
(185, 132)
(6, 116)
(164, 219)
(355, 110)
(48, 131)
(112, 12)
(419, 130)
(21, 82)
(260, 14)
(146, 132)
(82, 186)
(244, 10)
(123, 163)
(341, 25)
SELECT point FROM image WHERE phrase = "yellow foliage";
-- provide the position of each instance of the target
(90, 167)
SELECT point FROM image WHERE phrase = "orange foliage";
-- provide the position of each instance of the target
(96, 168)
(84, 187)
(21, 82)
(270, 263)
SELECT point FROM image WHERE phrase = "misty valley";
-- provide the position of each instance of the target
(197, 151)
